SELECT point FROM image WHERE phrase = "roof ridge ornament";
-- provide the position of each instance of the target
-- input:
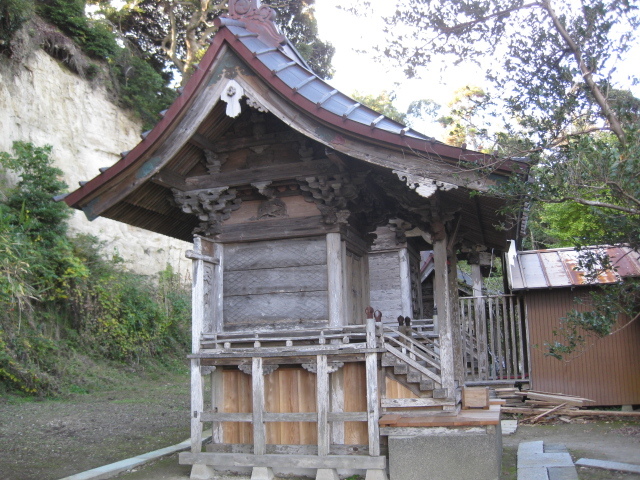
(257, 18)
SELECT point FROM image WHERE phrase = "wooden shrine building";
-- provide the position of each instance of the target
(304, 208)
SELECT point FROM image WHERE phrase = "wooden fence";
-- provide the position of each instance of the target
(494, 338)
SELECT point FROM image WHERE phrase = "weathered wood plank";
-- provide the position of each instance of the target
(260, 174)
(276, 280)
(361, 462)
(259, 309)
(414, 402)
(294, 252)
(405, 283)
(257, 384)
(337, 405)
(217, 404)
(335, 269)
(276, 229)
(359, 450)
(373, 407)
(322, 404)
(197, 405)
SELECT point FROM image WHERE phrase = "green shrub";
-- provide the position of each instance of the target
(63, 296)
(94, 37)
(141, 88)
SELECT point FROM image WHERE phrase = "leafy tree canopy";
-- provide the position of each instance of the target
(175, 33)
(552, 66)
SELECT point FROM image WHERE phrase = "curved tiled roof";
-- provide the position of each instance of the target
(254, 39)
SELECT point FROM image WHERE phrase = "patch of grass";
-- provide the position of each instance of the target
(509, 464)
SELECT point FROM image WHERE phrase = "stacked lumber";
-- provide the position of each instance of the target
(510, 395)
(537, 406)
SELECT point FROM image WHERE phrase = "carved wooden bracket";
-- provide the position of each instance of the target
(207, 370)
(425, 187)
(215, 161)
(331, 367)
(331, 194)
(400, 227)
(266, 369)
(253, 103)
(212, 206)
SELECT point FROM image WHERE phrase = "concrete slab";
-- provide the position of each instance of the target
(509, 427)
(555, 448)
(530, 448)
(533, 473)
(606, 465)
(562, 473)
(539, 461)
(546, 460)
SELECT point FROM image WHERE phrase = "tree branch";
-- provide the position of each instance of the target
(594, 203)
(587, 74)
(463, 26)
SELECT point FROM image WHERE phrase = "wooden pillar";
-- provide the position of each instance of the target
(322, 402)
(336, 280)
(373, 402)
(257, 384)
(405, 282)
(445, 286)
(197, 321)
(216, 301)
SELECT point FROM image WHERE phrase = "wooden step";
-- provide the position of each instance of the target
(401, 369)
(416, 402)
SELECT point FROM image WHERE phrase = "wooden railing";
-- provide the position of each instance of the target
(421, 355)
(494, 338)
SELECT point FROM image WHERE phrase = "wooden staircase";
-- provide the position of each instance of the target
(412, 359)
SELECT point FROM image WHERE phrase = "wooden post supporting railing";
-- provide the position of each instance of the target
(373, 402)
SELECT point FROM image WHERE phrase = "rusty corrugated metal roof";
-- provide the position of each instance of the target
(558, 267)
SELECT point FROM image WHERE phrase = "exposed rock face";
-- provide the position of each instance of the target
(45, 104)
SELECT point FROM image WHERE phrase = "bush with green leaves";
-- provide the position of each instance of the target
(61, 295)
(95, 37)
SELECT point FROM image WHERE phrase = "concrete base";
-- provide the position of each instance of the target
(327, 474)
(443, 456)
(261, 473)
(202, 472)
(376, 475)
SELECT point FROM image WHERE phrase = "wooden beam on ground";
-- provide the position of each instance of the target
(360, 462)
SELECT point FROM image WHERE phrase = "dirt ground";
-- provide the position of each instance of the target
(48, 440)
(613, 440)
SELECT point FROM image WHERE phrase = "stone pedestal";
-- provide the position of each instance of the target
(446, 453)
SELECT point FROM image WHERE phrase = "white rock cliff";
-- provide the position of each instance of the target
(43, 103)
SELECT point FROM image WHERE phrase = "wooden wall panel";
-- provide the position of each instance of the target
(384, 277)
(270, 282)
(355, 294)
(292, 390)
(237, 399)
(355, 400)
(605, 371)
(397, 390)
